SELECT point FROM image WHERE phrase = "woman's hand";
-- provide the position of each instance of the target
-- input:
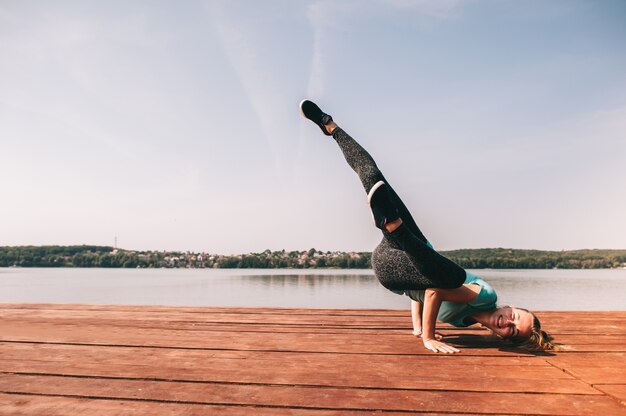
(418, 333)
(438, 346)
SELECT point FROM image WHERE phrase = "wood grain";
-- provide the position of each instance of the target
(130, 360)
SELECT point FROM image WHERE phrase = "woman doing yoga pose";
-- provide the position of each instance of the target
(406, 263)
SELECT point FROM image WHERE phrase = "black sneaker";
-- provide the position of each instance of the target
(311, 111)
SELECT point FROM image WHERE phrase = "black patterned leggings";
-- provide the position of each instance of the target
(403, 260)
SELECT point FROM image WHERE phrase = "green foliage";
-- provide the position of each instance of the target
(503, 258)
(103, 256)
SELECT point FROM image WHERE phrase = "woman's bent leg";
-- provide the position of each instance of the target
(404, 260)
(418, 269)
(395, 270)
(439, 270)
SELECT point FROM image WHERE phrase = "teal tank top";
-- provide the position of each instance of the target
(456, 313)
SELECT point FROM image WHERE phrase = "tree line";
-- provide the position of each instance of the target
(109, 257)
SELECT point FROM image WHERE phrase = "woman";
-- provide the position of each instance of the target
(406, 263)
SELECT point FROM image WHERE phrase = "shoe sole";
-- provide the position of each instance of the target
(302, 111)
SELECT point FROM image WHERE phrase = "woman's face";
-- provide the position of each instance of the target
(509, 322)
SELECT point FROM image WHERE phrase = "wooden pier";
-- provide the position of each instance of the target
(135, 360)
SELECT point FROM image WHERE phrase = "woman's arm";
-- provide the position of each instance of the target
(432, 303)
(416, 317)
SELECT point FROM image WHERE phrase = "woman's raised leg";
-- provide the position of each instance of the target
(427, 268)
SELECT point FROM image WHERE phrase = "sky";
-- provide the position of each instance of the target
(176, 126)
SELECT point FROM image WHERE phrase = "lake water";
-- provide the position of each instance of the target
(533, 289)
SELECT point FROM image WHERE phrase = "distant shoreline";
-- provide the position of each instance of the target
(110, 257)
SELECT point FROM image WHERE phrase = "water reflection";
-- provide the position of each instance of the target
(322, 290)
(311, 280)
(560, 289)
(533, 289)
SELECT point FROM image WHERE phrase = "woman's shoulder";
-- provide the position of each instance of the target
(487, 297)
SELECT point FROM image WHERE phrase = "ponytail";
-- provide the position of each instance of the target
(539, 340)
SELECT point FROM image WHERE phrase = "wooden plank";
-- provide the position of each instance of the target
(28, 405)
(591, 348)
(204, 309)
(598, 375)
(595, 322)
(595, 339)
(279, 368)
(276, 319)
(618, 391)
(599, 359)
(63, 352)
(572, 340)
(232, 327)
(557, 316)
(312, 398)
(581, 342)
(554, 320)
(593, 368)
(309, 342)
(501, 379)
(547, 316)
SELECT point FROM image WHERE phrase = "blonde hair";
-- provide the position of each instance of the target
(538, 340)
